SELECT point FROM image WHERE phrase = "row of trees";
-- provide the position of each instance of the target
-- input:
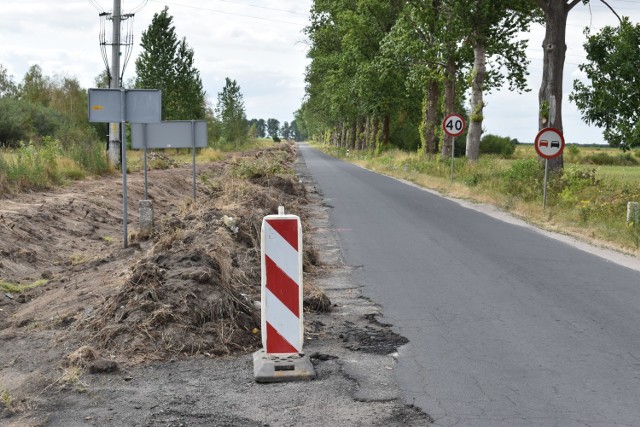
(385, 68)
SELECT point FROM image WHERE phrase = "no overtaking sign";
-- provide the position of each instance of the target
(549, 143)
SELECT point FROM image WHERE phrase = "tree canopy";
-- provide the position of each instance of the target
(231, 113)
(389, 71)
(612, 100)
(167, 63)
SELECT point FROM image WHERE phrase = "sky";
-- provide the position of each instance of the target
(260, 44)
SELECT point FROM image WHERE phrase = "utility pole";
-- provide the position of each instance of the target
(114, 128)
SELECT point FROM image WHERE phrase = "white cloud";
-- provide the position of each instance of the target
(263, 49)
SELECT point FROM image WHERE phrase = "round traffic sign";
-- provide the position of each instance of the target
(549, 143)
(453, 124)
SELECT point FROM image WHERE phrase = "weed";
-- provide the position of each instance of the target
(634, 233)
(6, 399)
(77, 259)
(17, 288)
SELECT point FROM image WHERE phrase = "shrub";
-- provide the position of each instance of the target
(524, 179)
(22, 121)
(604, 159)
(493, 144)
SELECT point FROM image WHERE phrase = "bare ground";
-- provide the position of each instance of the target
(161, 333)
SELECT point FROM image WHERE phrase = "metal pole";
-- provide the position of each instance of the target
(114, 134)
(144, 137)
(193, 144)
(124, 169)
(453, 146)
(546, 174)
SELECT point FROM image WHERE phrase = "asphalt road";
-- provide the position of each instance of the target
(507, 326)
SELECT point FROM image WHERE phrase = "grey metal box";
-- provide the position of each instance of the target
(170, 134)
(141, 105)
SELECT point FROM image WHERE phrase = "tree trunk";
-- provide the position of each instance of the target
(429, 145)
(361, 133)
(554, 47)
(376, 129)
(478, 75)
(367, 133)
(353, 135)
(449, 103)
(385, 131)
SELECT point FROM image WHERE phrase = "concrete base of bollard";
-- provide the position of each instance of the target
(271, 368)
(146, 215)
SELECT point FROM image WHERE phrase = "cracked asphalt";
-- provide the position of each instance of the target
(507, 326)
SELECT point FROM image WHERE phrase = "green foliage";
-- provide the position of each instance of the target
(264, 167)
(8, 88)
(611, 101)
(524, 180)
(20, 120)
(167, 64)
(48, 163)
(231, 113)
(493, 144)
(17, 288)
(273, 128)
(624, 159)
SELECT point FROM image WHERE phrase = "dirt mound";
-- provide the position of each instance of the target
(197, 288)
(176, 304)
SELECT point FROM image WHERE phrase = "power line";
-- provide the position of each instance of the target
(264, 7)
(230, 13)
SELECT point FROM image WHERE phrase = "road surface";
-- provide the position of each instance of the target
(507, 326)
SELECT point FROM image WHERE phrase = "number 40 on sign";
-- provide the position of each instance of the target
(453, 125)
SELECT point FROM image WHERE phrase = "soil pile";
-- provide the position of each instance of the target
(197, 290)
(190, 286)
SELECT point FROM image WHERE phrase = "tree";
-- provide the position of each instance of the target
(102, 80)
(492, 26)
(167, 64)
(260, 127)
(273, 128)
(554, 49)
(231, 113)
(8, 88)
(613, 99)
(191, 101)
(35, 87)
(285, 130)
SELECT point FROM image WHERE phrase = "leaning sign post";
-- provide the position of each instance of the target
(453, 126)
(549, 143)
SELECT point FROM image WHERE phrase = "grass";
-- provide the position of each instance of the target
(49, 163)
(622, 174)
(584, 200)
(17, 288)
(5, 398)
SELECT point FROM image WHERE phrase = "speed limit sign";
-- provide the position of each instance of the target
(453, 125)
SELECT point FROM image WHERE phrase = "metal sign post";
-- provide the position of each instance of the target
(549, 143)
(172, 134)
(193, 149)
(453, 125)
(453, 151)
(123, 164)
(121, 106)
